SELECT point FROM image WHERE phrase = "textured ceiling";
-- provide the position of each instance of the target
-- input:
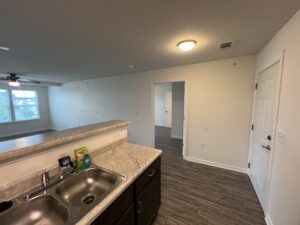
(70, 40)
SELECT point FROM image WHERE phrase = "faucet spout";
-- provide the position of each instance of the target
(45, 179)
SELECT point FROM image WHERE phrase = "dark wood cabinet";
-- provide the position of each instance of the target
(147, 175)
(127, 218)
(117, 210)
(148, 201)
(137, 205)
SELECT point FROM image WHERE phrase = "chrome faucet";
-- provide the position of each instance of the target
(45, 179)
(48, 181)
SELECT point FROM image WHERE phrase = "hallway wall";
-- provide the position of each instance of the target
(285, 184)
(177, 110)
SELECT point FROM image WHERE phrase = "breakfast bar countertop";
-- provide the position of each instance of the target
(21, 147)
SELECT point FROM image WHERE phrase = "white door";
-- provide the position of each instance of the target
(264, 120)
(168, 106)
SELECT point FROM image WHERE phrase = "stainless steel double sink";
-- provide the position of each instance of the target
(66, 202)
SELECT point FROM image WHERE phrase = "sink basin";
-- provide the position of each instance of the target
(88, 187)
(44, 210)
(64, 202)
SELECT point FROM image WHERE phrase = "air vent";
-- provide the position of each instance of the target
(225, 45)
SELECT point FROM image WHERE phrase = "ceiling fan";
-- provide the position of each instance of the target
(13, 80)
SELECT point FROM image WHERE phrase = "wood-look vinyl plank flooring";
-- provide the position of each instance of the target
(196, 194)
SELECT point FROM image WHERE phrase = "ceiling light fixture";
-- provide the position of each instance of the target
(14, 83)
(186, 45)
(4, 48)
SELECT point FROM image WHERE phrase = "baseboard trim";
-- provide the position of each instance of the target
(268, 220)
(219, 165)
(176, 137)
(248, 172)
(25, 132)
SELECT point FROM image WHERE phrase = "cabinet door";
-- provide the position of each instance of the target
(148, 201)
(113, 213)
(127, 218)
(147, 175)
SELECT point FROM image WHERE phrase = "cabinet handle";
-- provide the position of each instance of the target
(152, 173)
(140, 206)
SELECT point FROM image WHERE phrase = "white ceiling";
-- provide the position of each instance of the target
(69, 40)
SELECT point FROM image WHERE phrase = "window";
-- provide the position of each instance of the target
(5, 113)
(18, 105)
(25, 105)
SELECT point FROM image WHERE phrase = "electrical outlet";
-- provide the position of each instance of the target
(202, 145)
(205, 128)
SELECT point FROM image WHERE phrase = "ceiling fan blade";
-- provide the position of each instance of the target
(6, 77)
(23, 80)
(3, 78)
(43, 83)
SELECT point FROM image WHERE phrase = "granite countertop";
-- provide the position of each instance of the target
(14, 149)
(127, 159)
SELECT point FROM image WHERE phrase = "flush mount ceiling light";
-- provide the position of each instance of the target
(4, 48)
(186, 45)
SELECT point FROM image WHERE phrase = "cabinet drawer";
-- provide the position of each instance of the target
(148, 174)
(114, 212)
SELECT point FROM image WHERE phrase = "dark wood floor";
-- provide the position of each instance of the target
(164, 141)
(195, 194)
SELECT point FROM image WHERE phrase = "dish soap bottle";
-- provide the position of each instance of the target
(86, 161)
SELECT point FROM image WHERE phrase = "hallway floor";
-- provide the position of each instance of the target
(164, 141)
(196, 194)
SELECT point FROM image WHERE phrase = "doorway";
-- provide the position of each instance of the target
(169, 117)
(264, 122)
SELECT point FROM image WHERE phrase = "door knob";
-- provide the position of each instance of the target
(268, 147)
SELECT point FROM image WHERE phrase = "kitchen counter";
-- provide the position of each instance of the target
(126, 159)
(17, 148)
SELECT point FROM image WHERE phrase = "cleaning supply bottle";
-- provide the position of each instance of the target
(86, 161)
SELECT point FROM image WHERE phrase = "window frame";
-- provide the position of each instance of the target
(9, 106)
(12, 106)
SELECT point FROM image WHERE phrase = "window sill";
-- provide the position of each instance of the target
(20, 121)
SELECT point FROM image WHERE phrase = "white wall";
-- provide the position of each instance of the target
(285, 184)
(162, 101)
(219, 99)
(177, 110)
(20, 127)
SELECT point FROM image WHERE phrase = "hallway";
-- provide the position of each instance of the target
(164, 141)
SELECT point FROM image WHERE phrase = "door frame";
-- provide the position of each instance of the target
(277, 59)
(185, 117)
